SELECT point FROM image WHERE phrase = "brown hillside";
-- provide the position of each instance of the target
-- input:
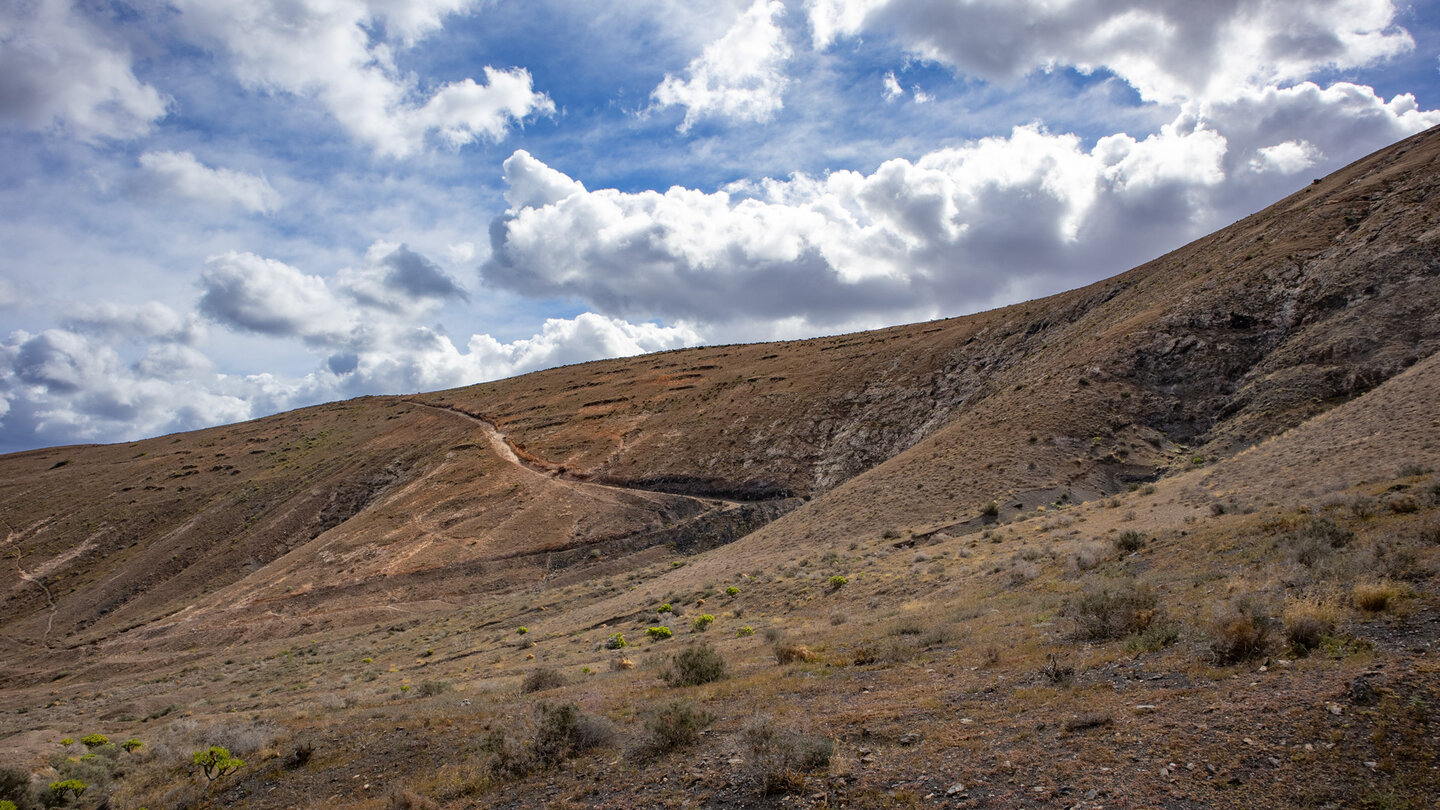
(894, 535)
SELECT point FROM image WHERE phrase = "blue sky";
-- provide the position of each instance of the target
(212, 211)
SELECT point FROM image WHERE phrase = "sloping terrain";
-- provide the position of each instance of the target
(1237, 435)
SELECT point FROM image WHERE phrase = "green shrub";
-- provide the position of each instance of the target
(6, 804)
(665, 608)
(702, 622)
(745, 631)
(1107, 613)
(216, 761)
(1129, 541)
(695, 665)
(72, 786)
(732, 591)
(520, 631)
(94, 740)
(675, 725)
(67, 741)
(837, 582)
(132, 745)
(615, 642)
(658, 633)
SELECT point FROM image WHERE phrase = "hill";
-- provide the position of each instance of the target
(1074, 525)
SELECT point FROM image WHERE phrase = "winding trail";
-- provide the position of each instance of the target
(505, 449)
(25, 576)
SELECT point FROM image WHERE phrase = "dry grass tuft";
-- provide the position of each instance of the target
(1308, 620)
(1378, 596)
(793, 654)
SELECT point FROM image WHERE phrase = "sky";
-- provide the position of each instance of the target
(211, 211)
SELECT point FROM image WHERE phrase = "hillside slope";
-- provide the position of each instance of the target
(329, 510)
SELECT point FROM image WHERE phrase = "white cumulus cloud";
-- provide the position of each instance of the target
(181, 174)
(739, 76)
(1168, 50)
(955, 230)
(328, 49)
(58, 68)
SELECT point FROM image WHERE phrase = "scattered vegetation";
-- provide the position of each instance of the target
(1130, 540)
(702, 622)
(695, 665)
(216, 761)
(540, 679)
(1377, 596)
(1308, 622)
(554, 734)
(674, 725)
(1239, 632)
(1111, 612)
(779, 757)
(658, 633)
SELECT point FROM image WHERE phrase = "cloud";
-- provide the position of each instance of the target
(149, 321)
(64, 386)
(58, 68)
(254, 294)
(893, 89)
(958, 229)
(61, 386)
(1168, 51)
(399, 281)
(180, 174)
(343, 54)
(739, 76)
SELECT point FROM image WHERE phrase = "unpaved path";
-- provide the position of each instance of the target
(554, 472)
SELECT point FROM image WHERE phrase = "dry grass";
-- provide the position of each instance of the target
(1308, 621)
(1378, 596)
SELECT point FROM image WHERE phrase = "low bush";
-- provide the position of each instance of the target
(615, 642)
(658, 633)
(216, 761)
(1129, 541)
(540, 679)
(702, 622)
(93, 741)
(1239, 633)
(1314, 541)
(674, 725)
(1103, 613)
(1308, 621)
(554, 734)
(837, 582)
(1157, 636)
(694, 666)
(779, 758)
(433, 688)
(745, 631)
